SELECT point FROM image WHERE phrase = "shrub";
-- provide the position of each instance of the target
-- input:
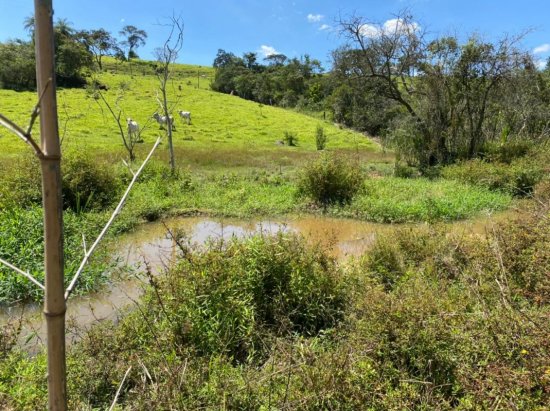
(330, 179)
(20, 183)
(517, 178)
(290, 139)
(404, 171)
(228, 299)
(320, 138)
(507, 152)
(87, 184)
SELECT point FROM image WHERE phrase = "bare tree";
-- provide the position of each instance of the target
(166, 55)
(129, 138)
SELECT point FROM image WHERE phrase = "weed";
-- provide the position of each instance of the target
(290, 139)
(517, 178)
(329, 179)
(22, 243)
(320, 138)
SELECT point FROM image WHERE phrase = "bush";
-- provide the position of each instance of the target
(330, 179)
(507, 152)
(228, 299)
(290, 139)
(20, 182)
(87, 184)
(517, 178)
(404, 171)
(320, 138)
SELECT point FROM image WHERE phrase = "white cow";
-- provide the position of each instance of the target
(163, 121)
(185, 115)
(133, 127)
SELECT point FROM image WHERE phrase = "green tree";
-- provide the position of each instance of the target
(134, 39)
(100, 43)
(445, 89)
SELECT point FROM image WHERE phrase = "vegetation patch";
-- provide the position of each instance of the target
(330, 179)
(22, 243)
(398, 200)
(517, 178)
(271, 322)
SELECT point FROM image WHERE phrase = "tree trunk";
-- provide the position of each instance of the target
(54, 301)
(168, 122)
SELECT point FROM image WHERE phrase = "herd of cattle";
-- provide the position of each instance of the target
(133, 126)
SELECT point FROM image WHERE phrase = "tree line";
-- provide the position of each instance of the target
(76, 53)
(436, 99)
(281, 81)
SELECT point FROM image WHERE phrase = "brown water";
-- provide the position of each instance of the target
(152, 244)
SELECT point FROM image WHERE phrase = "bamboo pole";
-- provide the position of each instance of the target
(88, 253)
(54, 301)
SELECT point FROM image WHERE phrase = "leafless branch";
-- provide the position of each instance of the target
(23, 273)
(36, 111)
(19, 132)
(112, 407)
(106, 227)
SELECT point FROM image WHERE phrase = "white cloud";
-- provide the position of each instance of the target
(541, 64)
(325, 27)
(267, 50)
(398, 25)
(314, 18)
(543, 48)
(389, 27)
(369, 30)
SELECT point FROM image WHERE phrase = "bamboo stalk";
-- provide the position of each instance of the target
(54, 302)
(90, 251)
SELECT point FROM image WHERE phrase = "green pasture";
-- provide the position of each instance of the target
(225, 131)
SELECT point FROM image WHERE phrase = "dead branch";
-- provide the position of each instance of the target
(112, 407)
(19, 132)
(23, 273)
(36, 111)
(118, 208)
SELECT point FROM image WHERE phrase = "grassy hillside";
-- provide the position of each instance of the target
(239, 131)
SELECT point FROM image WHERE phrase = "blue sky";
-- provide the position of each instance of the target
(291, 27)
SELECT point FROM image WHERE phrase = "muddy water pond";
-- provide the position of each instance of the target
(152, 244)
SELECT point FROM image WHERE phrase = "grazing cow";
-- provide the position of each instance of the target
(163, 121)
(133, 127)
(185, 115)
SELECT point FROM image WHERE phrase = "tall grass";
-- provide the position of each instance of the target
(398, 200)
